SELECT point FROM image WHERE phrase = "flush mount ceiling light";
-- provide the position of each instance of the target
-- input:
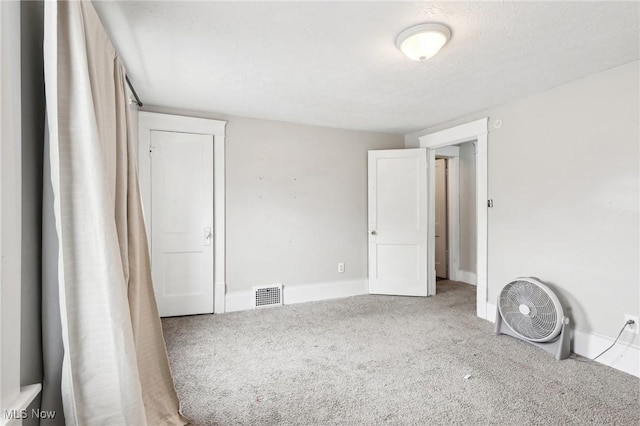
(421, 42)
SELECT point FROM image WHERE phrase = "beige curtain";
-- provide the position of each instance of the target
(115, 368)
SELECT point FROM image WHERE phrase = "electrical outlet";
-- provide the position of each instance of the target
(632, 328)
(341, 268)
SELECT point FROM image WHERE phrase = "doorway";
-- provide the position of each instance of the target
(475, 132)
(442, 226)
(455, 207)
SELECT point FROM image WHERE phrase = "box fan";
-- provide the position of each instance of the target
(530, 311)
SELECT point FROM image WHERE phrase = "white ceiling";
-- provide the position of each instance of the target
(335, 64)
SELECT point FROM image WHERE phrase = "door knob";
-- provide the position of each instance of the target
(374, 233)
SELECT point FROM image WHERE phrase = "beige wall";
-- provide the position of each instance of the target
(296, 201)
(563, 172)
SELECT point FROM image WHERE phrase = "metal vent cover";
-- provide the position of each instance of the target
(267, 295)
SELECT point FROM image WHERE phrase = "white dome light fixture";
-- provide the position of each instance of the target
(422, 41)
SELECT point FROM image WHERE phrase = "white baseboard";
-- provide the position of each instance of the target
(466, 277)
(623, 356)
(292, 294)
(324, 291)
(491, 312)
(238, 301)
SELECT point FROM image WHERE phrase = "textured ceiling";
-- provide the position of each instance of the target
(335, 63)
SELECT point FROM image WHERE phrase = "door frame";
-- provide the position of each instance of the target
(475, 131)
(148, 121)
(452, 155)
(12, 395)
(448, 201)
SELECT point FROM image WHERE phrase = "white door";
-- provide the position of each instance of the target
(182, 222)
(398, 222)
(441, 219)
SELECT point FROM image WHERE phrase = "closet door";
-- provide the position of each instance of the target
(398, 222)
(181, 169)
(182, 222)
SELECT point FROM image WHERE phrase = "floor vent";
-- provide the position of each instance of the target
(267, 295)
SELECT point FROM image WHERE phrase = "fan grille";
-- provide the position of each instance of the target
(519, 297)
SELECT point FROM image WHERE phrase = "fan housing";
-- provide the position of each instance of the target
(529, 310)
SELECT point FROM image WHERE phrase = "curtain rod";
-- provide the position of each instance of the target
(133, 91)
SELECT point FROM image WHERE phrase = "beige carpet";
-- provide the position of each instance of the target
(369, 360)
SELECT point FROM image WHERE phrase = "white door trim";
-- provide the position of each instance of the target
(431, 224)
(452, 154)
(148, 121)
(473, 131)
(448, 194)
(13, 397)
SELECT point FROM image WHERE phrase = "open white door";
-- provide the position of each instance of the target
(398, 222)
(182, 222)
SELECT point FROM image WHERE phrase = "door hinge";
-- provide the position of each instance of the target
(490, 203)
